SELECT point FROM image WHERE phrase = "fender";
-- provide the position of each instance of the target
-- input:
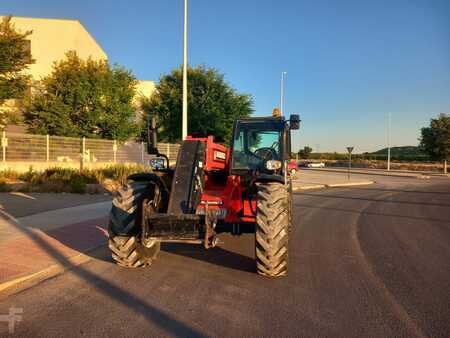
(144, 177)
(269, 178)
(156, 180)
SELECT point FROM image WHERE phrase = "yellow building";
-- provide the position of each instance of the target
(53, 38)
(145, 88)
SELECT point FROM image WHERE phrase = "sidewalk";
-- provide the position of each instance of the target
(54, 239)
(306, 179)
(382, 172)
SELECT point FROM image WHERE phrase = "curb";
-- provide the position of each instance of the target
(333, 185)
(412, 175)
(48, 272)
(316, 186)
(349, 184)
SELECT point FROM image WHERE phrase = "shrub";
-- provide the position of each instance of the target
(120, 172)
(4, 187)
(66, 179)
(78, 185)
(10, 174)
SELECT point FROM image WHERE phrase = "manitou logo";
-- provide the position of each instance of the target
(220, 155)
(15, 315)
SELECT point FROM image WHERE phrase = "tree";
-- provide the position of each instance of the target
(14, 60)
(212, 105)
(84, 98)
(305, 152)
(435, 139)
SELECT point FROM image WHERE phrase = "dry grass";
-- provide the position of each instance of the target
(68, 180)
(374, 164)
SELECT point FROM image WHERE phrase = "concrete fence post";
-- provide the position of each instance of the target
(4, 145)
(168, 150)
(142, 153)
(114, 151)
(48, 147)
(83, 153)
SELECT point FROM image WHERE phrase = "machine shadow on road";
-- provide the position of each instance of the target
(152, 314)
(217, 256)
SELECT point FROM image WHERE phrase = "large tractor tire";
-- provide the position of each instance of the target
(272, 229)
(124, 227)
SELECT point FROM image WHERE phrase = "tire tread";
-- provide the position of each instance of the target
(272, 230)
(126, 248)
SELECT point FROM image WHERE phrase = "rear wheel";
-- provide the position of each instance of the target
(272, 229)
(125, 226)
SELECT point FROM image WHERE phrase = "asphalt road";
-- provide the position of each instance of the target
(14, 202)
(364, 261)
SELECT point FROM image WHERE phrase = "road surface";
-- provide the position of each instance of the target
(14, 202)
(364, 261)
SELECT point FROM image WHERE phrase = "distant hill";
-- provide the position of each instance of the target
(404, 152)
(398, 151)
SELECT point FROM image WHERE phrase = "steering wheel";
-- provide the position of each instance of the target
(264, 152)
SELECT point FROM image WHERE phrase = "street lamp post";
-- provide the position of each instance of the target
(185, 106)
(389, 143)
(283, 76)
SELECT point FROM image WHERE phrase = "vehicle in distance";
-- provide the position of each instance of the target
(310, 164)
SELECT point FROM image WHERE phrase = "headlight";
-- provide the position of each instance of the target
(273, 165)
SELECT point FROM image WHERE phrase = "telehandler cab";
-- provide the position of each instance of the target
(211, 190)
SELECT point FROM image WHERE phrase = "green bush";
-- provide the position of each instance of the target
(27, 176)
(4, 187)
(78, 185)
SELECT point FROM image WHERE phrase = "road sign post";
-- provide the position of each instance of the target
(349, 149)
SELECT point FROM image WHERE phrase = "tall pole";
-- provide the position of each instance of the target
(283, 74)
(349, 165)
(389, 142)
(185, 106)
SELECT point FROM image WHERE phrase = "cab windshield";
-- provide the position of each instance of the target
(254, 144)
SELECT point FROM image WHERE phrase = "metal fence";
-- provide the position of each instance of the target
(17, 147)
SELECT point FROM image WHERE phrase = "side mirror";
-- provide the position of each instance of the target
(157, 163)
(151, 137)
(294, 122)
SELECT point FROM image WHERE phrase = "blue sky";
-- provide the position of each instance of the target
(349, 62)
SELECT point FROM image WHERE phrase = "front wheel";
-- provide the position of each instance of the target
(272, 229)
(125, 226)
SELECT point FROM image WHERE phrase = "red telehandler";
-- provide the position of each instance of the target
(212, 189)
